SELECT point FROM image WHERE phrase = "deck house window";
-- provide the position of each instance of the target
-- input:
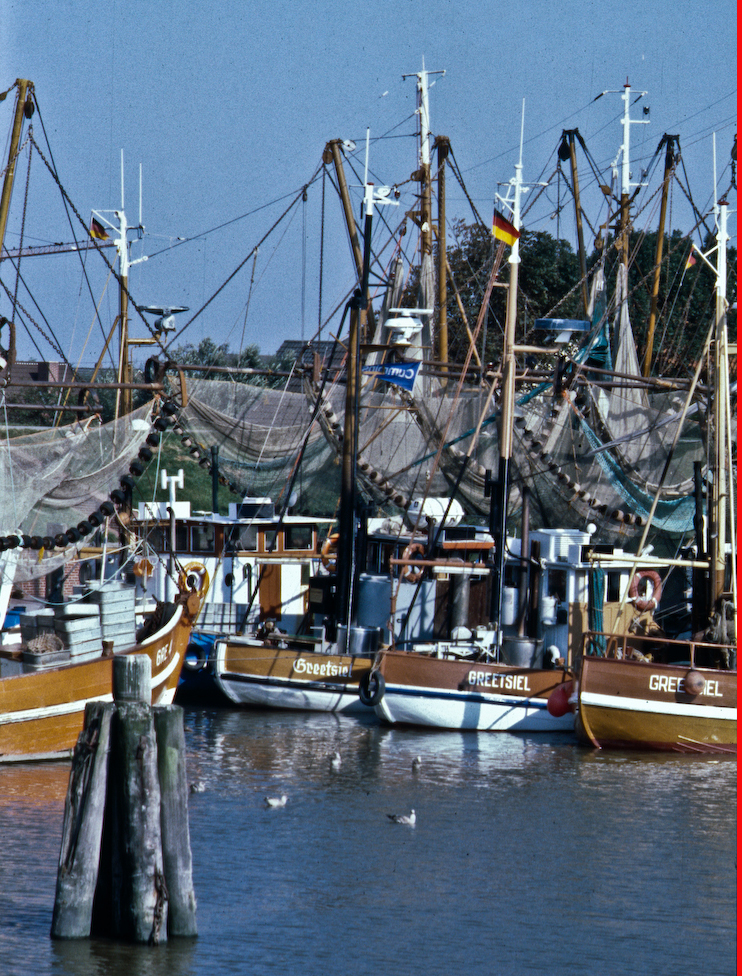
(160, 538)
(614, 587)
(243, 538)
(202, 538)
(299, 537)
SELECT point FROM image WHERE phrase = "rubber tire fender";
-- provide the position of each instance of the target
(371, 688)
(200, 663)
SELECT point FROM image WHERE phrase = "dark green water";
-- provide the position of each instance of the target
(530, 854)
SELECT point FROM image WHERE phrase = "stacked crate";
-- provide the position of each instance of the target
(115, 601)
(78, 627)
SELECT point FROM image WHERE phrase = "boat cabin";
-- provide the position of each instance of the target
(257, 565)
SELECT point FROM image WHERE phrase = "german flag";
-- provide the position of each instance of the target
(97, 230)
(691, 260)
(503, 230)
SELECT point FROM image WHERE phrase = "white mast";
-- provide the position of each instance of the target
(120, 230)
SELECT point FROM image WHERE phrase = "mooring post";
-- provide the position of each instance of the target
(176, 843)
(125, 869)
(82, 830)
(139, 892)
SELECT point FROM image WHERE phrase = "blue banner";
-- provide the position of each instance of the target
(402, 374)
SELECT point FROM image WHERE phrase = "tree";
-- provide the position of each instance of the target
(548, 272)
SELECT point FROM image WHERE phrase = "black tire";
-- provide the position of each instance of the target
(371, 688)
(195, 657)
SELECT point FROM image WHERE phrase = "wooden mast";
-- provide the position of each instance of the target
(567, 148)
(720, 487)
(332, 153)
(669, 142)
(23, 106)
(499, 522)
(442, 145)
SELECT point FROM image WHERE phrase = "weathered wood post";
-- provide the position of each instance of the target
(82, 830)
(125, 868)
(139, 892)
(176, 844)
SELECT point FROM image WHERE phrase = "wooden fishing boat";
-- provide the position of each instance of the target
(42, 705)
(449, 693)
(300, 676)
(642, 694)
(641, 704)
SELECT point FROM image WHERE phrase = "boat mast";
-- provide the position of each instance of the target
(626, 184)
(567, 150)
(670, 142)
(347, 562)
(720, 486)
(508, 397)
(443, 146)
(332, 153)
(422, 175)
(23, 106)
(120, 240)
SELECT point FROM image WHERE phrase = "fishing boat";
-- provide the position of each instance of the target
(468, 683)
(503, 680)
(681, 696)
(46, 684)
(252, 568)
(65, 493)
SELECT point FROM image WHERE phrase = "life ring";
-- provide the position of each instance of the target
(194, 577)
(329, 552)
(371, 688)
(653, 602)
(415, 550)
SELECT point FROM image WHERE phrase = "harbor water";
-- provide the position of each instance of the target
(530, 854)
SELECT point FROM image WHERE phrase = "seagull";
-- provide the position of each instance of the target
(276, 801)
(416, 764)
(335, 762)
(198, 787)
(401, 819)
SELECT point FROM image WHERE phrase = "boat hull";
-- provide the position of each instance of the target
(459, 694)
(42, 712)
(624, 704)
(253, 673)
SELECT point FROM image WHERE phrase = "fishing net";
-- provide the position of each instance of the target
(53, 479)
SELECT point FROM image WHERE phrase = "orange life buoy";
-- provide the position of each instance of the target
(415, 550)
(635, 589)
(329, 552)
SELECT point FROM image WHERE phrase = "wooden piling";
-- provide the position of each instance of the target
(139, 902)
(125, 869)
(176, 844)
(132, 678)
(79, 856)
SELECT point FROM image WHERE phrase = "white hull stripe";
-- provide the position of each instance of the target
(645, 705)
(351, 688)
(50, 711)
(511, 701)
(69, 708)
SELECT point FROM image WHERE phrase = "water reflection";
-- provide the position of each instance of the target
(33, 784)
(530, 853)
(97, 957)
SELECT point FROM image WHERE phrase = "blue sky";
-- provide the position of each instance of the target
(228, 107)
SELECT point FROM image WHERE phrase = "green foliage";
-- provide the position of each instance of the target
(173, 456)
(549, 271)
(208, 353)
(548, 286)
